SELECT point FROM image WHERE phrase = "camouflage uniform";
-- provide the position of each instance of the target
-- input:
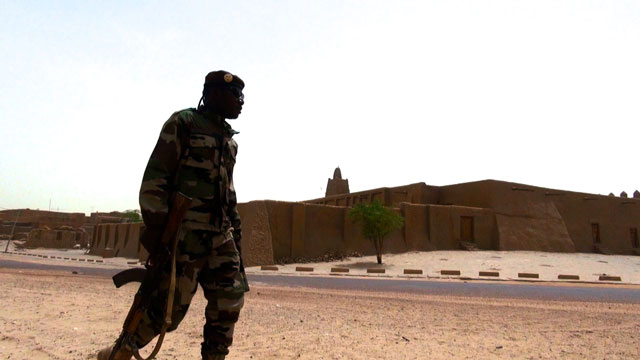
(195, 155)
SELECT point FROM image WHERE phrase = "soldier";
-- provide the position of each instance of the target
(195, 155)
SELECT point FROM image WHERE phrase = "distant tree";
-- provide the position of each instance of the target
(133, 215)
(377, 221)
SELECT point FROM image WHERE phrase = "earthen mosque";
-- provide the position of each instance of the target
(484, 215)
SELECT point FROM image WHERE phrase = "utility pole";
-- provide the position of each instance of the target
(12, 229)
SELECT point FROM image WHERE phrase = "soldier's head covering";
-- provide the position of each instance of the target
(223, 78)
(220, 78)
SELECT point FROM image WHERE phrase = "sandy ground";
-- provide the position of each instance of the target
(50, 315)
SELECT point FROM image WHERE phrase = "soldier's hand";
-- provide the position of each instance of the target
(160, 254)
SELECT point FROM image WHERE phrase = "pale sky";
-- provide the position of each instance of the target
(545, 93)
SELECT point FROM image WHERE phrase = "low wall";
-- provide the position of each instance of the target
(41, 218)
(8, 229)
(354, 241)
(255, 226)
(56, 239)
(124, 239)
(534, 218)
(319, 230)
(416, 226)
(444, 224)
(614, 216)
(275, 231)
(304, 230)
(280, 219)
(534, 234)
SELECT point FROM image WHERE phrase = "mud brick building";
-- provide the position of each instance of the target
(487, 215)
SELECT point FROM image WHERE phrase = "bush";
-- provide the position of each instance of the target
(132, 215)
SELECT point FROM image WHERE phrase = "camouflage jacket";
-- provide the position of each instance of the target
(195, 155)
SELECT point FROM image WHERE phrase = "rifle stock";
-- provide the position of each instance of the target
(130, 275)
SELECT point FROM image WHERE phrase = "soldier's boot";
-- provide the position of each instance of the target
(122, 354)
(213, 356)
(213, 352)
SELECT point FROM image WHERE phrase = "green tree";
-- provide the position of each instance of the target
(377, 221)
(132, 215)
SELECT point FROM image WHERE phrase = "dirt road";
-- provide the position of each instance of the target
(51, 315)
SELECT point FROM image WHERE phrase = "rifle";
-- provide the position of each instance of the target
(149, 277)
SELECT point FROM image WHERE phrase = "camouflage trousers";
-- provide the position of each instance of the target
(224, 286)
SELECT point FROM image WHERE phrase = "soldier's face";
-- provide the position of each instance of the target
(233, 100)
(227, 101)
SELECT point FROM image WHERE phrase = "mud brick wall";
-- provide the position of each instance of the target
(56, 239)
(124, 239)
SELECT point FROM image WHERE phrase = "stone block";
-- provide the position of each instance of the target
(269, 267)
(609, 278)
(450, 272)
(568, 277)
(528, 275)
(339, 270)
(375, 271)
(413, 271)
(304, 268)
(489, 273)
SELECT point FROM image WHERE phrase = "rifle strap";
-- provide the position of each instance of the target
(170, 297)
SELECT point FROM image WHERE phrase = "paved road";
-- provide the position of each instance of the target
(83, 270)
(538, 291)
